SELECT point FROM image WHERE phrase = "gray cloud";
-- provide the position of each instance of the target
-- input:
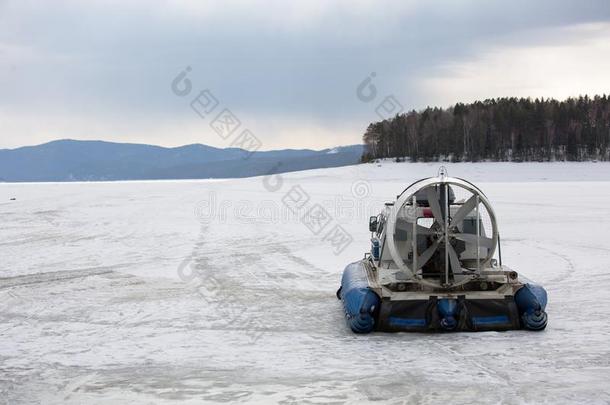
(104, 67)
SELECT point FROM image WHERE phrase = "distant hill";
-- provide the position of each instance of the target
(71, 160)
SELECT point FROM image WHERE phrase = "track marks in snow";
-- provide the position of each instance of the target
(55, 276)
(568, 270)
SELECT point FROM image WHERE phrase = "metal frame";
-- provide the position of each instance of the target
(409, 195)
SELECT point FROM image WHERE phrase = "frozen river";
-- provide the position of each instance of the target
(216, 291)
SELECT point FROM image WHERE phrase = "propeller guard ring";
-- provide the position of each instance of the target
(405, 197)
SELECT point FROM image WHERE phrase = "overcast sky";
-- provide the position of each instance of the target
(288, 70)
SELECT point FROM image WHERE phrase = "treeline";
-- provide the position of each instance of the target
(504, 129)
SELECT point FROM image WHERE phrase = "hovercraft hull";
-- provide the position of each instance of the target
(366, 311)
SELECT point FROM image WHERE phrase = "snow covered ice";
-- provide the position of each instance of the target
(190, 291)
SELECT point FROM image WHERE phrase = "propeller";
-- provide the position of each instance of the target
(450, 222)
(433, 201)
(454, 260)
(407, 226)
(472, 239)
(464, 210)
(427, 255)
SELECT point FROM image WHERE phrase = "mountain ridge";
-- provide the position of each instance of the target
(77, 160)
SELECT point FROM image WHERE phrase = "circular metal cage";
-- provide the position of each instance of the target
(442, 232)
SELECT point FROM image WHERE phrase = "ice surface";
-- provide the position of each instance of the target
(193, 291)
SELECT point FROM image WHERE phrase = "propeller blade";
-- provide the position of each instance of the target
(427, 255)
(456, 267)
(408, 227)
(433, 201)
(472, 239)
(464, 210)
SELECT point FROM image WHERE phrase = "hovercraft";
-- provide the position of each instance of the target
(435, 265)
